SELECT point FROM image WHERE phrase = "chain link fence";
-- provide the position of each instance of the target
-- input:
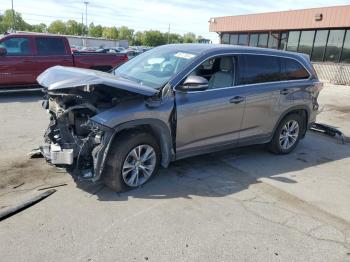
(338, 74)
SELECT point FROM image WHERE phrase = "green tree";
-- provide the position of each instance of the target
(74, 28)
(175, 38)
(40, 28)
(137, 38)
(6, 22)
(95, 31)
(125, 33)
(153, 38)
(189, 38)
(57, 27)
(110, 32)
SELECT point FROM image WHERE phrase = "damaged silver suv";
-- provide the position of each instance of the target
(172, 102)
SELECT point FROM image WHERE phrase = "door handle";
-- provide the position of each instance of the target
(284, 91)
(237, 99)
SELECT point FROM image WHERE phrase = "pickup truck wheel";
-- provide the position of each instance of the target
(287, 135)
(134, 158)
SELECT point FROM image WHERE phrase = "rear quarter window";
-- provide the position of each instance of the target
(293, 70)
(255, 69)
(50, 46)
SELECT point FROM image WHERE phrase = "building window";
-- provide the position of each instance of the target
(319, 45)
(243, 39)
(234, 39)
(225, 39)
(334, 44)
(253, 40)
(345, 56)
(293, 41)
(306, 41)
(263, 38)
(283, 41)
(273, 40)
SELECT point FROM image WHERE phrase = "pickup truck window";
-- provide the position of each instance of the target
(16, 46)
(50, 46)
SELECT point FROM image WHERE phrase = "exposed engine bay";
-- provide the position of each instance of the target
(72, 139)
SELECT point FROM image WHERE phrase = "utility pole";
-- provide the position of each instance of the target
(169, 34)
(82, 24)
(86, 25)
(13, 17)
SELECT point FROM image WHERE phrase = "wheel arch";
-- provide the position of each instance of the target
(303, 111)
(155, 127)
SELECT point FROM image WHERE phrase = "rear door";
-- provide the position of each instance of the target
(51, 51)
(16, 67)
(260, 78)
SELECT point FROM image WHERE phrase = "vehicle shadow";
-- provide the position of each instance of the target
(23, 97)
(230, 171)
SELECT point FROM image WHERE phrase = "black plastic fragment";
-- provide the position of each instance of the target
(25, 204)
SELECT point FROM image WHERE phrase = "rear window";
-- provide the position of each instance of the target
(255, 69)
(293, 70)
(50, 46)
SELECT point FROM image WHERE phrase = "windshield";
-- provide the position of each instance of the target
(155, 67)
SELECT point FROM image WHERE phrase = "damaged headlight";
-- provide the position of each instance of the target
(98, 137)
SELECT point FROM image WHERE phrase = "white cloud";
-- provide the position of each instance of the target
(182, 15)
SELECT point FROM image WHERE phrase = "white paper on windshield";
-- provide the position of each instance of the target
(184, 55)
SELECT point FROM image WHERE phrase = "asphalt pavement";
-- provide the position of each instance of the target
(243, 204)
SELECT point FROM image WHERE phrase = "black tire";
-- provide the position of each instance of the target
(274, 146)
(120, 149)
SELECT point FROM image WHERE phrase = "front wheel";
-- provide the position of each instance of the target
(133, 160)
(287, 135)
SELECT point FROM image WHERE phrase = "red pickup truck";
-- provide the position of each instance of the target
(24, 56)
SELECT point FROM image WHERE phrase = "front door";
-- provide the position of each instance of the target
(16, 67)
(210, 119)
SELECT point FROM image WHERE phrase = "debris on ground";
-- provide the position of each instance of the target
(53, 186)
(17, 186)
(328, 130)
(35, 153)
(25, 204)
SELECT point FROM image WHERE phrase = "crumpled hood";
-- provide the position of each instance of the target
(62, 77)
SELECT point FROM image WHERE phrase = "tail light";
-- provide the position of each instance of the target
(125, 58)
(318, 86)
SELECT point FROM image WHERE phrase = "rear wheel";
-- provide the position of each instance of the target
(133, 160)
(287, 135)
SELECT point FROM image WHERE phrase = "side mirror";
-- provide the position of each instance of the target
(3, 51)
(195, 83)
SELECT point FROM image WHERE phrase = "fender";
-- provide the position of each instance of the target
(159, 128)
(162, 132)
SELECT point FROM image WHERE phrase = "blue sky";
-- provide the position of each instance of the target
(182, 15)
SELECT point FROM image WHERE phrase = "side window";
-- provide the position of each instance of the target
(17, 46)
(255, 69)
(293, 70)
(219, 71)
(50, 46)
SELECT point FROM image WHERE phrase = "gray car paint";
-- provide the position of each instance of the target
(61, 77)
(206, 120)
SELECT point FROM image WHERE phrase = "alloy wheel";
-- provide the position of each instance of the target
(139, 165)
(289, 134)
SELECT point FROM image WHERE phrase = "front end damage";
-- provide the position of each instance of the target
(73, 140)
